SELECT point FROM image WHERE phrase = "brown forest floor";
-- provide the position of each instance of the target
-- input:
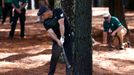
(31, 56)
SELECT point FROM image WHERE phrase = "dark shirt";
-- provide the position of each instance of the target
(0, 2)
(53, 22)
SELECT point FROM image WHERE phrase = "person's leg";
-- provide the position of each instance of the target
(56, 51)
(22, 23)
(121, 35)
(13, 24)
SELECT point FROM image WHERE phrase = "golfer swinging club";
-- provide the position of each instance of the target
(59, 30)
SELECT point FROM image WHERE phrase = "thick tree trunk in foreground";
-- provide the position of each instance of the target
(83, 51)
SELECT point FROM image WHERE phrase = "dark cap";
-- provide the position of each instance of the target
(42, 10)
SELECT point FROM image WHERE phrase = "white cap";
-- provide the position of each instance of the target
(106, 14)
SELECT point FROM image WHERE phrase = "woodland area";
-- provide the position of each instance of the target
(31, 56)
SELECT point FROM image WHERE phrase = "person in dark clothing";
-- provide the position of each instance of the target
(0, 9)
(19, 12)
(7, 9)
(60, 31)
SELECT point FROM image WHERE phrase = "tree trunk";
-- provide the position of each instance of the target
(51, 4)
(83, 42)
(68, 7)
(29, 4)
(116, 9)
(130, 4)
(36, 4)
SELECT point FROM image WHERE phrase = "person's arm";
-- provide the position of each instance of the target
(115, 31)
(23, 6)
(3, 4)
(61, 27)
(62, 30)
(46, 3)
(53, 36)
(118, 24)
(17, 9)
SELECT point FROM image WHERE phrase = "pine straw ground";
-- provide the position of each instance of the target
(31, 56)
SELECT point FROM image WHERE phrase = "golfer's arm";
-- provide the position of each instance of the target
(61, 27)
(52, 35)
(118, 29)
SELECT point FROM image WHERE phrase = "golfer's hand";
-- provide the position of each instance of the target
(62, 39)
(59, 43)
(113, 34)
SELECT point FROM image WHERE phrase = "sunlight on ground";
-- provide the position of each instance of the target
(35, 49)
(33, 57)
(25, 63)
(5, 55)
(116, 61)
(7, 30)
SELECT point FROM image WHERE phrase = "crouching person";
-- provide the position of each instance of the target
(112, 25)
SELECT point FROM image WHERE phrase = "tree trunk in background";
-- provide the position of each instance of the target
(116, 9)
(36, 4)
(29, 4)
(130, 4)
(68, 7)
(83, 42)
(51, 4)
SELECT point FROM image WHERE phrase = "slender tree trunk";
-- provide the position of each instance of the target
(83, 42)
(130, 4)
(51, 4)
(68, 7)
(36, 4)
(29, 4)
(116, 8)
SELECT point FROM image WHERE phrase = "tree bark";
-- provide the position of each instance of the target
(116, 9)
(51, 4)
(83, 42)
(68, 7)
(130, 4)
